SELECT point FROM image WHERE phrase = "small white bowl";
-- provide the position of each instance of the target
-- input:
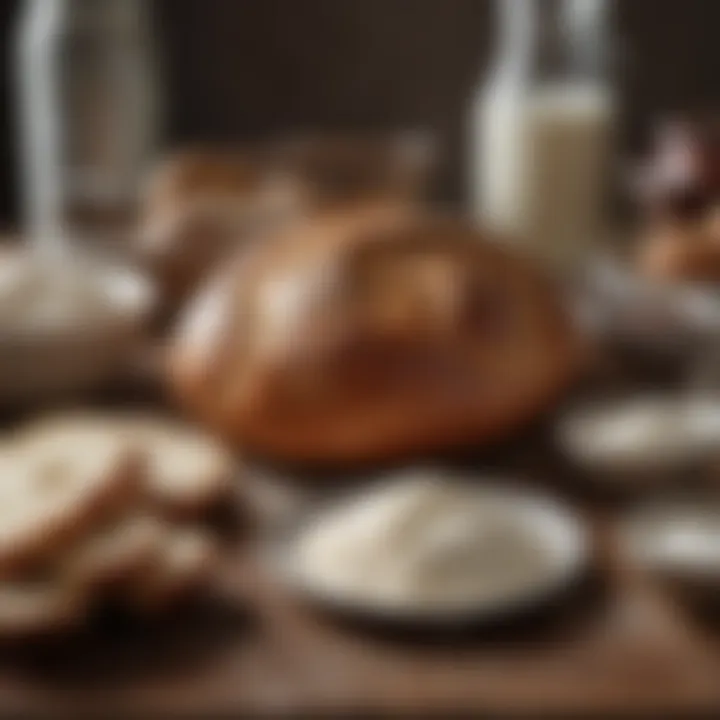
(641, 440)
(655, 321)
(679, 540)
(556, 528)
(37, 364)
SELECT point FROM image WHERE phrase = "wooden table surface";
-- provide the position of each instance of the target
(622, 647)
(619, 642)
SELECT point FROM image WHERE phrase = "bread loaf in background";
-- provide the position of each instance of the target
(336, 170)
(680, 252)
(198, 206)
(201, 204)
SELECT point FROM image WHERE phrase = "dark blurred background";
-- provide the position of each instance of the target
(244, 69)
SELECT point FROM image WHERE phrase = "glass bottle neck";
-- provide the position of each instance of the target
(552, 41)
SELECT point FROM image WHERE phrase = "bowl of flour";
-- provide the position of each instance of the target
(425, 546)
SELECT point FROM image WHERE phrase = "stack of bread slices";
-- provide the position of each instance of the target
(105, 508)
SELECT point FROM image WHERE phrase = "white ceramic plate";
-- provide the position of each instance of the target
(651, 318)
(641, 440)
(559, 530)
(677, 537)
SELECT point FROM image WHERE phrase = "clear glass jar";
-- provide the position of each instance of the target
(541, 128)
(88, 113)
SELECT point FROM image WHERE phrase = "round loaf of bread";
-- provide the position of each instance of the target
(372, 335)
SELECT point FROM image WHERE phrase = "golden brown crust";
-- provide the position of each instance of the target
(202, 203)
(199, 205)
(362, 336)
(712, 224)
(341, 169)
(188, 473)
(680, 252)
(182, 472)
(186, 560)
(202, 171)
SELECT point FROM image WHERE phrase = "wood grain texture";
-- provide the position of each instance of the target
(256, 650)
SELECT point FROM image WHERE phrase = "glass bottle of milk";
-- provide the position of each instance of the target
(541, 129)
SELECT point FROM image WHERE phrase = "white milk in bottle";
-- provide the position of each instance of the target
(541, 131)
